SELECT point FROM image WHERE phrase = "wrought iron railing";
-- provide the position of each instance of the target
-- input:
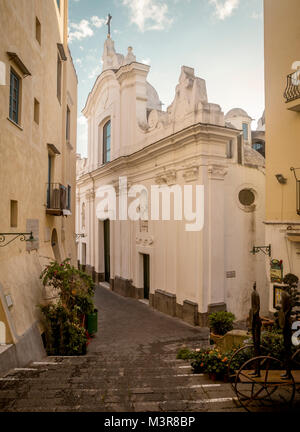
(292, 91)
(56, 196)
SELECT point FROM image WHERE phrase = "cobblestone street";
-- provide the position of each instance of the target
(131, 366)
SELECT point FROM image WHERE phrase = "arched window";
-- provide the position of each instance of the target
(106, 142)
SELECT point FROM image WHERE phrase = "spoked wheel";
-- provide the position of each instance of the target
(259, 384)
(296, 368)
(296, 359)
(246, 352)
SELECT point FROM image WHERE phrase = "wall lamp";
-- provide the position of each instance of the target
(281, 179)
(267, 250)
(21, 236)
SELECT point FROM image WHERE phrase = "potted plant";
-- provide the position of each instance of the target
(65, 319)
(220, 323)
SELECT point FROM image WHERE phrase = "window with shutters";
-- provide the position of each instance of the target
(14, 97)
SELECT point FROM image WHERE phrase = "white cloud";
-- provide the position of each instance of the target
(97, 22)
(149, 14)
(83, 29)
(224, 8)
(78, 61)
(80, 31)
(94, 72)
(146, 61)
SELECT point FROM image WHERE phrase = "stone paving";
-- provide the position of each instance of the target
(130, 366)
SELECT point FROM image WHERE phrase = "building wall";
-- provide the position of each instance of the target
(24, 154)
(282, 46)
(186, 145)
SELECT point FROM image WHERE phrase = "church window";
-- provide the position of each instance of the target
(106, 142)
(247, 197)
(246, 131)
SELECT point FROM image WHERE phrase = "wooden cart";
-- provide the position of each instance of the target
(269, 388)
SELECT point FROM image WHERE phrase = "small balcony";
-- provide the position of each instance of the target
(57, 199)
(292, 92)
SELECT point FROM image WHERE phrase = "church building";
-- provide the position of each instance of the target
(183, 272)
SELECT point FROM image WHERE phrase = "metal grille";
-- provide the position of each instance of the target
(292, 91)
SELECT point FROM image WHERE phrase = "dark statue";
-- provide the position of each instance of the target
(255, 323)
(285, 325)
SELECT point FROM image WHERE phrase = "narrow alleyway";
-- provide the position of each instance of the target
(131, 366)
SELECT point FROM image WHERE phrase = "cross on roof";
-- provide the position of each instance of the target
(109, 18)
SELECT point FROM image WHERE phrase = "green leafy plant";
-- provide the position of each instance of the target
(184, 354)
(221, 322)
(64, 320)
(212, 362)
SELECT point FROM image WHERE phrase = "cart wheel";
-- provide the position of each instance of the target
(266, 390)
(296, 360)
(296, 366)
(247, 352)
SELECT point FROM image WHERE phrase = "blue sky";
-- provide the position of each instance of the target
(221, 39)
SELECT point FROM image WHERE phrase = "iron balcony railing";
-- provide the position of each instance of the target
(292, 91)
(56, 197)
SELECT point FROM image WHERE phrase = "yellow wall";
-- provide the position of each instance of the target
(24, 152)
(282, 49)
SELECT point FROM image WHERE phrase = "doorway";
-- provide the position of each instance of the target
(146, 270)
(106, 226)
(83, 256)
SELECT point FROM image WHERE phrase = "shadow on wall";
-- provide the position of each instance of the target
(2, 333)
(55, 246)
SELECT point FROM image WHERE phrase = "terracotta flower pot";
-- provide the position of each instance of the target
(215, 338)
(226, 378)
(213, 376)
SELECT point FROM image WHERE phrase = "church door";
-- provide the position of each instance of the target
(146, 259)
(107, 250)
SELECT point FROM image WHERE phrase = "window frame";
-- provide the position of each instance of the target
(244, 131)
(69, 194)
(106, 137)
(68, 123)
(18, 79)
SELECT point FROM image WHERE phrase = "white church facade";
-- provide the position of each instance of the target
(186, 274)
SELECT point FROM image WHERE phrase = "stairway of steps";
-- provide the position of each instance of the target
(107, 382)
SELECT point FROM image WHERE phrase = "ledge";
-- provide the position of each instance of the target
(18, 62)
(15, 124)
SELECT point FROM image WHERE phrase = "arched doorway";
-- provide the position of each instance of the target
(55, 246)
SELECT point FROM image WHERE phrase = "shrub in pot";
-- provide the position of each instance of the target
(64, 320)
(221, 322)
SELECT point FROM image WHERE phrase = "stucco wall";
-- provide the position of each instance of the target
(24, 152)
